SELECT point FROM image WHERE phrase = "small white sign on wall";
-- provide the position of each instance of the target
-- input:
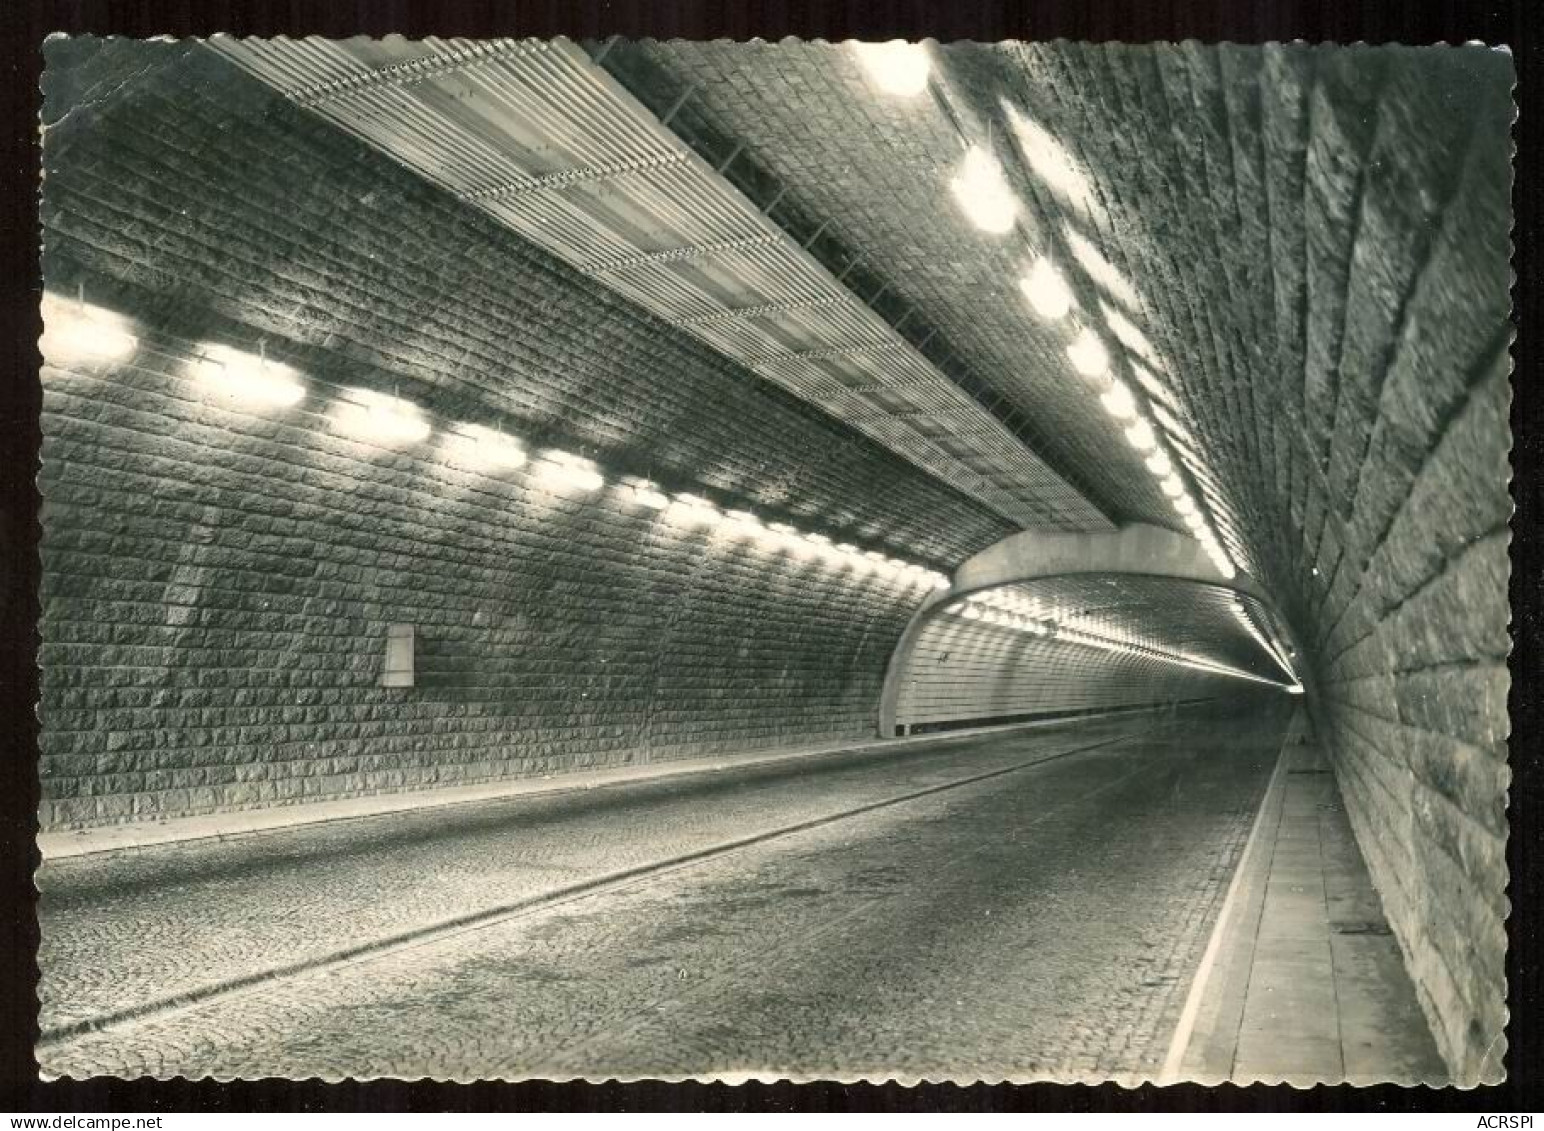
(398, 671)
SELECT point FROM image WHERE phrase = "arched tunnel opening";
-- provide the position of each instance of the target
(1086, 643)
(1047, 625)
(934, 561)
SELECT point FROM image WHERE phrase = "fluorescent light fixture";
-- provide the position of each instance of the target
(77, 331)
(1119, 402)
(766, 537)
(744, 518)
(940, 581)
(694, 507)
(1050, 160)
(1089, 357)
(817, 539)
(1172, 425)
(391, 421)
(1128, 335)
(487, 448)
(1100, 269)
(1154, 388)
(646, 494)
(1159, 464)
(849, 549)
(245, 378)
(1172, 486)
(983, 193)
(566, 470)
(1140, 436)
(1047, 290)
(897, 67)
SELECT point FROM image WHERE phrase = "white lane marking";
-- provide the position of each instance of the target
(1187, 1018)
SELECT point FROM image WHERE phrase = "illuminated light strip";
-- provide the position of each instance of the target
(695, 507)
(1046, 290)
(981, 190)
(1127, 333)
(1050, 160)
(1241, 612)
(798, 542)
(485, 448)
(1121, 404)
(1088, 354)
(647, 494)
(1090, 358)
(1100, 269)
(896, 67)
(984, 607)
(564, 469)
(75, 329)
(368, 415)
(241, 377)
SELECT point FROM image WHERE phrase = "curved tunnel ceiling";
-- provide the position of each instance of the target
(1258, 237)
(549, 144)
(878, 173)
(1085, 285)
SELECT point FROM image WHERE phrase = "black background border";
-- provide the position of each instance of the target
(23, 25)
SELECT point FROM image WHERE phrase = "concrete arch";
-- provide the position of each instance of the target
(1137, 550)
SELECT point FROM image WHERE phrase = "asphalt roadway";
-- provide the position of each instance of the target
(1029, 904)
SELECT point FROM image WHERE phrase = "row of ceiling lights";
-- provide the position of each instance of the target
(981, 189)
(1270, 646)
(76, 332)
(1020, 614)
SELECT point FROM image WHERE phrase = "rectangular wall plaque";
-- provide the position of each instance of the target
(399, 656)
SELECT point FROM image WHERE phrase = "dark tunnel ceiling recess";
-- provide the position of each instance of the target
(550, 144)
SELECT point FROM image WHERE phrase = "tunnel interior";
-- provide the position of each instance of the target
(664, 389)
(1081, 643)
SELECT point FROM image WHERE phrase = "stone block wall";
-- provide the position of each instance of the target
(1316, 240)
(218, 578)
(1401, 576)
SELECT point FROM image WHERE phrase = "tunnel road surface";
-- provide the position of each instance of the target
(1025, 904)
